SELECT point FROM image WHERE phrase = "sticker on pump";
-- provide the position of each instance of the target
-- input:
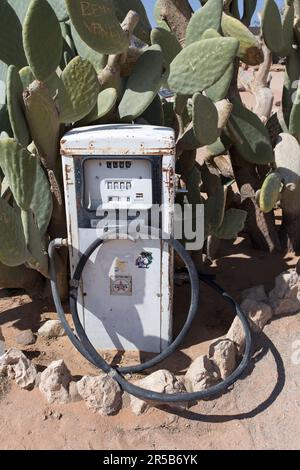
(121, 285)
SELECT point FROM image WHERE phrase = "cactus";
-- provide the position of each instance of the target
(13, 250)
(143, 28)
(41, 202)
(272, 27)
(97, 60)
(36, 254)
(11, 45)
(287, 158)
(207, 17)
(269, 193)
(41, 32)
(26, 76)
(206, 131)
(142, 85)
(201, 64)
(97, 25)
(78, 90)
(233, 224)
(106, 101)
(19, 167)
(15, 106)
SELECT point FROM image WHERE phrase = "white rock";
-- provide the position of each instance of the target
(16, 366)
(255, 293)
(2, 343)
(25, 338)
(237, 335)
(223, 353)
(54, 383)
(258, 312)
(161, 381)
(201, 375)
(285, 297)
(101, 394)
(73, 392)
(52, 329)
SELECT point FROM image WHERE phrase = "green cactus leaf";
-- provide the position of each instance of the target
(249, 10)
(250, 49)
(168, 42)
(291, 82)
(78, 90)
(169, 116)
(13, 250)
(143, 84)
(143, 28)
(294, 126)
(287, 31)
(205, 119)
(210, 34)
(269, 193)
(60, 9)
(201, 64)
(43, 120)
(253, 142)
(19, 167)
(42, 39)
(154, 114)
(106, 102)
(271, 26)
(193, 186)
(161, 23)
(287, 158)
(209, 16)
(36, 258)
(214, 209)
(11, 44)
(233, 224)
(42, 203)
(15, 106)
(26, 76)
(97, 25)
(98, 60)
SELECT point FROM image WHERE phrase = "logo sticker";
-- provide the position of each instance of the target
(145, 260)
(121, 285)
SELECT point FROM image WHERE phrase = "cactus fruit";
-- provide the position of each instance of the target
(201, 64)
(269, 193)
(287, 158)
(78, 90)
(19, 167)
(11, 46)
(207, 17)
(15, 106)
(13, 250)
(41, 32)
(26, 76)
(205, 119)
(143, 84)
(233, 224)
(143, 28)
(250, 50)
(272, 27)
(97, 25)
(253, 142)
(106, 101)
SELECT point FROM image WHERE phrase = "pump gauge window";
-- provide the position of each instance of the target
(118, 184)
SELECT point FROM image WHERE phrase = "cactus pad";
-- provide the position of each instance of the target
(16, 106)
(287, 158)
(12, 240)
(233, 224)
(42, 204)
(209, 16)
(36, 258)
(269, 193)
(201, 64)
(42, 39)
(205, 119)
(19, 167)
(78, 90)
(26, 76)
(143, 28)
(143, 84)
(106, 101)
(98, 60)
(168, 42)
(97, 25)
(272, 27)
(11, 45)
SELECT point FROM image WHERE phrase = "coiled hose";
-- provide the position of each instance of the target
(85, 347)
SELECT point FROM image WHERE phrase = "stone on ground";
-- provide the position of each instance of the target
(16, 366)
(101, 394)
(52, 329)
(25, 338)
(201, 375)
(223, 353)
(285, 297)
(54, 383)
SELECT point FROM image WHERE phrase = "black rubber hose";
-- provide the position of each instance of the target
(87, 349)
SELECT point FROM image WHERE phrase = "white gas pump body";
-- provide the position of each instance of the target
(125, 299)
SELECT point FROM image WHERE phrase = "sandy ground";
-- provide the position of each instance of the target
(262, 411)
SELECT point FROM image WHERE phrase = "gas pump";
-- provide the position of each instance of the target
(119, 183)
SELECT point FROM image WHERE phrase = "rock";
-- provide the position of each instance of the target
(74, 393)
(223, 353)
(161, 381)
(237, 335)
(285, 297)
(26, 338)
(16, 366)
(52, 329)
(101, 394)
(2, 343)
(201, 375)
(55, 382)
(259, 313)
(255, 293)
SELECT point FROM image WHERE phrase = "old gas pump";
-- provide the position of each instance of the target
(119, 183)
